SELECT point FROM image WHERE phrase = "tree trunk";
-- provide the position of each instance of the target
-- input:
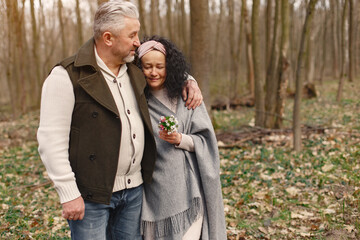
(200, 45)
(80, 38)
(271, 80)
(27, 100)
(184, 34)
(46, 33)
(62, 29)
(169, 20)
(298, 81)
(11, 13)
(357, 42)
(249, 55)
(35, 53)
(269, 6)
(154, 17)
(338, 8)
(15, 70)
(234, 70)
(142, 18)
(310, 55)
(343, 47)
(177, 12)
(324, 40)
(239, 45)
(259, 85)
(335, 50)
(217, 40)
(357, 39)
(31, 98)
(284, 64)
(293, 45)
(351, 40)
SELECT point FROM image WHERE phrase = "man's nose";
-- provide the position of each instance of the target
(137, 42)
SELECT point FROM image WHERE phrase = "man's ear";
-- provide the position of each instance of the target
(108, 38)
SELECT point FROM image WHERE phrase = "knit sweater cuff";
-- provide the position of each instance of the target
(187, 143)
(191, 78)
(68, 192)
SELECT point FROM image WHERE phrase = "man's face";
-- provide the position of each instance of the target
(127, 41)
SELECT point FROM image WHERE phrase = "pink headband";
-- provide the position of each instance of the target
(149, 46)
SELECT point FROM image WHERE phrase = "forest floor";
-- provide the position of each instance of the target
(270, 192)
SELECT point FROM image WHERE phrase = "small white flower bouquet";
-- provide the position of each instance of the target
(169, 124)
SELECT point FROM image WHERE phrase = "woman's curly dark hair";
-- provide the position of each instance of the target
(176, 67)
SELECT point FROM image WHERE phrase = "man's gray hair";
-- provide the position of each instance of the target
(111, 15)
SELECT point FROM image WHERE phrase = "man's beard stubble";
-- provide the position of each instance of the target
(129, 58)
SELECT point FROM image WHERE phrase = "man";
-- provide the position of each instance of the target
(95, 136)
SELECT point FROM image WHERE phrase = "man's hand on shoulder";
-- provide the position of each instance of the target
(192, 94)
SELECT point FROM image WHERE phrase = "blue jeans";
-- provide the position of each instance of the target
(119, 220)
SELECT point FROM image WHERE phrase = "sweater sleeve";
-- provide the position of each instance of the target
(57, 104)
(191, 78)
(187, 143)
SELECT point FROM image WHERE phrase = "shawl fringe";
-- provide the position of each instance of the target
(176, 223)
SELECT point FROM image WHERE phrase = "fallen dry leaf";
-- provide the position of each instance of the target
(327, 167)
(293, 191)
(263, 230)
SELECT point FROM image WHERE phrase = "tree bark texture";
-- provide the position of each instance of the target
(35, 52)
(271, 80)
(298, 80)
(249, 55)
(80, 37)
(218, 36)
(169, 20)
(15, 68)
(200, 45)
(310, 55)
(62, 29)
(154, 17)
(357, 40)
(343, 47)
(238, 49)
(293, 45)
(335, 50)
(351, 40)
(324, 41)
(284, 64)
(259, 83)
(178, 16)
(234, 70)
(269, 7)
(184, 35)
(142, 14)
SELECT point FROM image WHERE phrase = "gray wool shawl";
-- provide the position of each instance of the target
(186, 185)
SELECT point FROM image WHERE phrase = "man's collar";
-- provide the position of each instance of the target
(86, 55)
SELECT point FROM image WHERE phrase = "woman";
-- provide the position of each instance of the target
(184, 200)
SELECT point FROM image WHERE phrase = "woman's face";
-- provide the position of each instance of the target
(154, 68)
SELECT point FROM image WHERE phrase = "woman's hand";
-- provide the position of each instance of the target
(173, 138)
